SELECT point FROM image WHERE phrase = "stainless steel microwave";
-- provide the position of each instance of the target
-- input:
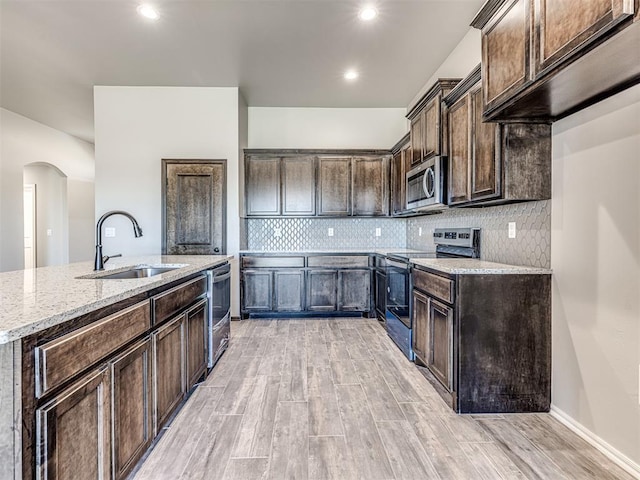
(426, 185)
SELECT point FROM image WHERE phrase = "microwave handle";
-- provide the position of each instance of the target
(429, 172)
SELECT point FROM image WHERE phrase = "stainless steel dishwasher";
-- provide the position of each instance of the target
(219, 280)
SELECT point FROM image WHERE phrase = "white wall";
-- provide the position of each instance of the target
(464, 58)
(23, 141)
(52, 218)
(326, 127)
(595, 256)
(136, 127)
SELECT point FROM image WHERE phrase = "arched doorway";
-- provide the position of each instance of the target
(47, 220)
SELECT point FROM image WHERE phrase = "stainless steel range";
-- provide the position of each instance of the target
(450, 243)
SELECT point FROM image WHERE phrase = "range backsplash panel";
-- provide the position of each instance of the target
(531, 247)
(286, 234)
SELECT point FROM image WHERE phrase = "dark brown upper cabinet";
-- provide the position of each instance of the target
(546, 59)
(399, 165)
(427, 122)
(308, 183)
(493, 163)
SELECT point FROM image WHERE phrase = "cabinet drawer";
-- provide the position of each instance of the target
(62, 358)
(433, 285)
(339, 261)
(167, 303)
(272, 262)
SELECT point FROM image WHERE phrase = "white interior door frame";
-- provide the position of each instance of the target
(30, 243)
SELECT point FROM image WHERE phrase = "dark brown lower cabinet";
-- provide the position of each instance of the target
(487, 349)
(131, 408)
(354, 290)
(73, 431)
(257, 292)
(196, 342)
(169, 369)
(288, 290)
(322, 290)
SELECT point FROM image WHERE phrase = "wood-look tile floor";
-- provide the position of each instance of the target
(335, 399)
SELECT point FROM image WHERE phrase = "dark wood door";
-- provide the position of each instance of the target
(289, 290)
(257, 290)
(354, 290)
(505, 52)
(417, 139)
(334, 178)
(73, 431)
(370, 186)
(196, 343)
(440, 353)
(432, 127)
(459, 150)
(168, 372)
(194, 207)
(563, 27)
(132, 411)
(299, 186)
(262, 185)
(420, 332)
(485, 167)
(322, 290)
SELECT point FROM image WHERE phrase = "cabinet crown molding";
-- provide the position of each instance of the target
(464, 86)
(486, 12)
(437, 87)
(401, 143)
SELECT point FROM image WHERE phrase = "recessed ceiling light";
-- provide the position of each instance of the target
(148, 11)
(350, 75)
(367, 13)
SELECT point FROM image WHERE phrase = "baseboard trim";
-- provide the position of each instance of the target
(612, 453)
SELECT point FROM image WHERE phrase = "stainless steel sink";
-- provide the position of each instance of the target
(142, 271)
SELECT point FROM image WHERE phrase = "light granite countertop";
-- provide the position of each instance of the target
(35, 299)
(472, 266)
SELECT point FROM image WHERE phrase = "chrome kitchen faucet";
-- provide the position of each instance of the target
(99, 261)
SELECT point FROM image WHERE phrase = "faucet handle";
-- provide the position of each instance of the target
(106, 258)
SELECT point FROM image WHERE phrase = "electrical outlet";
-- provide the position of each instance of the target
(330, 232)
(110, 232)
(49, 232)
(378, 231)
(277, 232)
(419, 231)
(512, 229)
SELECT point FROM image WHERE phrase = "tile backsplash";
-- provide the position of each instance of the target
(274, 234)
(531, 247)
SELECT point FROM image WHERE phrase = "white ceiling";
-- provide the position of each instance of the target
(281, 53)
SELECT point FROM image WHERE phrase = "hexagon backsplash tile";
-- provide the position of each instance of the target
(286, 234)
(531, 247)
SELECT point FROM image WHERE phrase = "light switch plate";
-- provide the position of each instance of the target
(49, 232)
(110, 232)
(512, 229)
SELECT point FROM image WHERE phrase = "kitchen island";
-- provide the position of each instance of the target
(91, 368)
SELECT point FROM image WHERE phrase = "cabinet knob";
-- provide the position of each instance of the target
(216, 250)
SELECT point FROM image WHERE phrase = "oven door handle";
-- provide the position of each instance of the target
(221, 278)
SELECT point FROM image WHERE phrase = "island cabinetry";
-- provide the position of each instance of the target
(428, 132)
(492, 163)
(485, 339)
(95, 390)
(545, 59)
(304, 284)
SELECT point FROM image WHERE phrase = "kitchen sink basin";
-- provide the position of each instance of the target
(141, 271)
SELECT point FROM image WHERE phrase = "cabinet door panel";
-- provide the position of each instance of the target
(257, 293)
(322, 290)
(432, 128)
(398, 182)
(299, 186)
(562, 26)
(420, 326)
(196, 343)
(354, 290)
(381, 292)
(417, 139)
(440, 354)
(370, 186)
(168, 372)
(334, 196)
(132, 416)
(485, 170)
(505, 50)
(262, 177)
(289, 290)
(459, 151)
(73, 433)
